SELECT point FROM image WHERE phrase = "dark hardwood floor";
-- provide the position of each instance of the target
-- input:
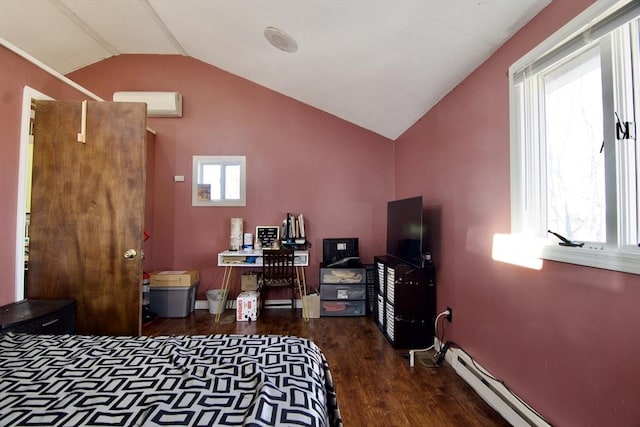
(374, 383)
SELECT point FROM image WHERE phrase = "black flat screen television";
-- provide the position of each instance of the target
(405, 230)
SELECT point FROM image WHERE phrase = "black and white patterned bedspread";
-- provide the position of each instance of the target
(215, 380)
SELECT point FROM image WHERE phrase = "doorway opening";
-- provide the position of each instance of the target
(29, 96)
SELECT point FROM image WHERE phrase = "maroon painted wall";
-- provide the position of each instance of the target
(15, 73)
(564, 338)
(299, 160)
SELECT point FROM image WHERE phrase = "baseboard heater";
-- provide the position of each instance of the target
(231, 304)
(494, 393)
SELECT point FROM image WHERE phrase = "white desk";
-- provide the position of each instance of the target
(251, 258)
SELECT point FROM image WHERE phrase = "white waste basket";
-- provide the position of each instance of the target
(217, 299)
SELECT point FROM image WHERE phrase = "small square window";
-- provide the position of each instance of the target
(219, 181)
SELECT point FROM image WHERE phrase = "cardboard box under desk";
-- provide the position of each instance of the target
(174, 279)
(249, 281)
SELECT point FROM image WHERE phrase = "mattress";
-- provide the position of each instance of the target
(213, 380)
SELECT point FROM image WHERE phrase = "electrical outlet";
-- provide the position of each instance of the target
(450, 315)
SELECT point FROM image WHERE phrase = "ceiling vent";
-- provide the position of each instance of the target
(159, 104)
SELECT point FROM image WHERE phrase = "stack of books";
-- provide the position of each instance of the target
(293, 233)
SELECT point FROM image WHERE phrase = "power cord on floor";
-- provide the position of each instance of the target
(439, 357)
(412, 353)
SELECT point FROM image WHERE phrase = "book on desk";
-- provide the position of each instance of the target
(293, 233)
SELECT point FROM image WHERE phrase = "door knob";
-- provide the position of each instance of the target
(130, 254)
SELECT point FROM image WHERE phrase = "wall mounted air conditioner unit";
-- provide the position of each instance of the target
(159, 104)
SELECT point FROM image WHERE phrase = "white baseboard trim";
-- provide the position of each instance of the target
(493, 392)
(204, 304)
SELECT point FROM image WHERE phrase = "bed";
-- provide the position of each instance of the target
(212, 380)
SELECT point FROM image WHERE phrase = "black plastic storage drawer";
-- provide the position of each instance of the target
(343, 292)
(343, 308)
(343, 275)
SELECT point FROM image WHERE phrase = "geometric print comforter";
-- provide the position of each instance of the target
(213, 380)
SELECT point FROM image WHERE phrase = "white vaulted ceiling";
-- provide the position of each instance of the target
(380, 64)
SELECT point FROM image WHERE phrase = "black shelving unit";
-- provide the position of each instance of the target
(405, 302)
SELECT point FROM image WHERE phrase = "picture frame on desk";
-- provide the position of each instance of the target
(267, 235)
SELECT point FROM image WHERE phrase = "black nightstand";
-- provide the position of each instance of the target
(39, 316)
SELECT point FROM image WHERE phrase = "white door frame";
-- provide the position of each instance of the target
(28, 94)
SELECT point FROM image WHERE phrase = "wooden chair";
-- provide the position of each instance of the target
(278, 271)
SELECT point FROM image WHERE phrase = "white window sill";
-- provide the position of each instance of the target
(627, 261)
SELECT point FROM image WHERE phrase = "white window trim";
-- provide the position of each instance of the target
(223, 160)
(523, 220)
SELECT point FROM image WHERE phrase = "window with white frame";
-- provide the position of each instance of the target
(219, 181)
(575, 161)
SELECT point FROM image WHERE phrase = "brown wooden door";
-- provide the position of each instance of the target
(87, 210)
